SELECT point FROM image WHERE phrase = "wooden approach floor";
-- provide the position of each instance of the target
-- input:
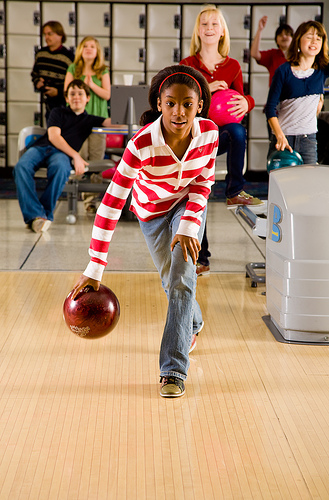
(83, 419)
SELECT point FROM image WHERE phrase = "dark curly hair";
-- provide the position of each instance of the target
(184, 75)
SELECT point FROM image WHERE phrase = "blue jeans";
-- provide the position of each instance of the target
(232, 140)
(178, 280)
(305, 145)
(58, 171)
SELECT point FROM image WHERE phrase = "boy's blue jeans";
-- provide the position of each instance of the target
(58, 171)
(178, 279)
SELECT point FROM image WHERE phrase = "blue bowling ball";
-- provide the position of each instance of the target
(280, 159)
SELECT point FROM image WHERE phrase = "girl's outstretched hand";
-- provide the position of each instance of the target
(187, 244)
(82, 282)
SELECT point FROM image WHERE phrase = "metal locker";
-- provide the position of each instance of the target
(93, 19)
(62, 12)
(274, 14)
(259, 87)
(128, 20)
(257, 124)
(297, 15)
(20, 115)
(162, 52)
(12, 150)
(190, 13)
(237, 19)
(23, 17)
(237, 51)
(20, 86)
(18, 58)
(257, 154)
(186, 47)
(163, 21)
(128, 54)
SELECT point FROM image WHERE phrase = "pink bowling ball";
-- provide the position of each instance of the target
(218, 111)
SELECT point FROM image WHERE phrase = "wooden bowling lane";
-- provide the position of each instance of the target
(83, 419)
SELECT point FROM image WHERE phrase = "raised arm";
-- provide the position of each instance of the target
(254, 49)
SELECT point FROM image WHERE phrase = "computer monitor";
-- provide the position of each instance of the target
(128, 103)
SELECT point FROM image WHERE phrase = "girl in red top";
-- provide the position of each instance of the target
(170, 164)
(209, 50)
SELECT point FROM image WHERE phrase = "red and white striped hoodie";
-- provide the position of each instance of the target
(159, 181)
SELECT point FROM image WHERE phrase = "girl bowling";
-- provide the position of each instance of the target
(169, 165)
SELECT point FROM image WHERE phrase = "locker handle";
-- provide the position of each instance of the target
(3, 117)
(2, 17)
(2, 85)
(36, 18)
(177, 22)
(246, 56)
(141, 55)
(176, 55)
(106, 53)
(246, 22)
(282, 19)
(2, 50)
(142, 21)
(71, 18)
(106, 20)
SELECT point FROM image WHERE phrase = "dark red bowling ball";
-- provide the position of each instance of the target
(92, 314)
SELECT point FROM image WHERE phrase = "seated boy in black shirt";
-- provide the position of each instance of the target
(67, 130)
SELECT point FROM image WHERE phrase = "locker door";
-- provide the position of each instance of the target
(62, 12)
(127, 54)
(18, 58)
(161, 52)
(257, 154)
(237, 19)
(297, 15)
(258, 123)
(163, 21)
(20, 115)
(237, 52)
(93, 19)
(23, 17)
(259, 88)
(274, 14)
(20, 86)
(185, 47)
(190, 13)
(128, 20)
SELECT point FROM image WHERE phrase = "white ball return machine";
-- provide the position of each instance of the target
(297, 252)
